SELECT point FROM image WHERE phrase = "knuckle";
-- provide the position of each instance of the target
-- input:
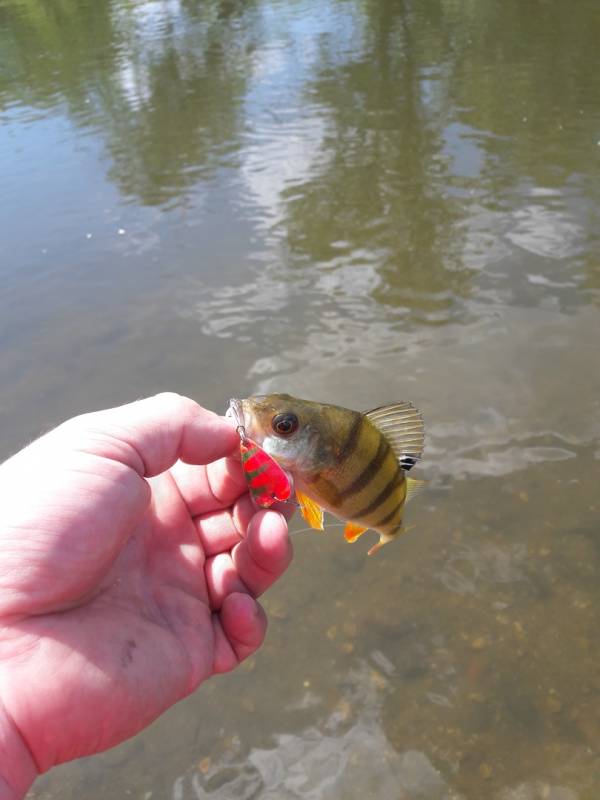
(172, 400)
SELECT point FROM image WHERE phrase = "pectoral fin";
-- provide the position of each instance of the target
(311, 511)
(352, 531)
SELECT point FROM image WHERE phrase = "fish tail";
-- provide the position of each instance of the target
(386, 538)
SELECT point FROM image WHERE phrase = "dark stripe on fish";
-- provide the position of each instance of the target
(352, 440)
(391, 486)
(381, 523)
(369, 472)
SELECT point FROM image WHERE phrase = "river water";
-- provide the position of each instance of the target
(355, 201)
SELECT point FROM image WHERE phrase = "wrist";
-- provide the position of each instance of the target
(17, 767)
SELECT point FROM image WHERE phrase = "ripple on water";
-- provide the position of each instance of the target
(547, 232)
(509, 459)
(538, 790)
(469, 569)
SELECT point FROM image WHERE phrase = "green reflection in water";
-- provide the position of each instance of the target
(162, 84)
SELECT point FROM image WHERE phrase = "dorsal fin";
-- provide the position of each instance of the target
(402, 426)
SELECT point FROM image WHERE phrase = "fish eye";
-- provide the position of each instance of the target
(285, 424)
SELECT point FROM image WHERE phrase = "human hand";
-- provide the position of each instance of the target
(127, 576)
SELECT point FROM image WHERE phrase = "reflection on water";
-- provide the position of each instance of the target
(335, 759)
(355, 202)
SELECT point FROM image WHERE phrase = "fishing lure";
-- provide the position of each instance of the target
(267, 481)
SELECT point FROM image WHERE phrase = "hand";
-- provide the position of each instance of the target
(127, 573)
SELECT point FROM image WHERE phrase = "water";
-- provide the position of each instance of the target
(355, 202)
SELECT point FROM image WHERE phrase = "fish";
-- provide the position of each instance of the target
(349, 463)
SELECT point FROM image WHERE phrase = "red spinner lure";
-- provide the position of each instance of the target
(267, 481)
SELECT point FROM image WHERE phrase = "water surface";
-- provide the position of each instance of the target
(356, 201)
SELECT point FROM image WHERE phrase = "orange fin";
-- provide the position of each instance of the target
(352, 531)
(311, 511)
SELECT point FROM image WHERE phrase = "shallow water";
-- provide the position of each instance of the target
(356, 202)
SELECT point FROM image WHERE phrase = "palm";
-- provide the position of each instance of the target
(137, 599)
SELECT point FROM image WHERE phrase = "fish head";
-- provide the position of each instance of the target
(291, 430)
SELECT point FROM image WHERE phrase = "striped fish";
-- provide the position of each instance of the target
(351, 464)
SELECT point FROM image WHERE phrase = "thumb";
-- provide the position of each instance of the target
(150, 435)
